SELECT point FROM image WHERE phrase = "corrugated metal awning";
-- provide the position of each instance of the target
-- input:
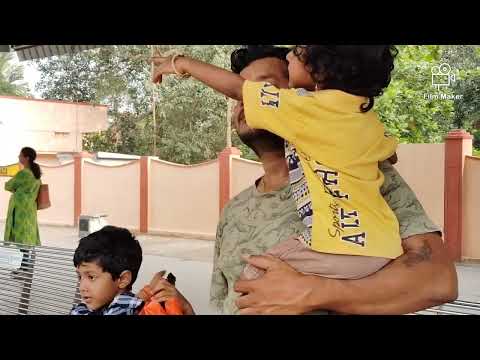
(30, 52)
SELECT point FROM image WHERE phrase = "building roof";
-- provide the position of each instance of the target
(30, 52)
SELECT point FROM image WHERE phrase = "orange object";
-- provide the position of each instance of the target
(172, 307)
(153, 308)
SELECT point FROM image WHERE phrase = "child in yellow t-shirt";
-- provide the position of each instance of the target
(333, 145)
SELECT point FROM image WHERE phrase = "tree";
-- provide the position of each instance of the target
(11, 77)
(113, 76)
(466, 58)
(191, 118)
(405, 107)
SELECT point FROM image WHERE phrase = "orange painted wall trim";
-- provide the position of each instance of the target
(144, 179)
(77, 184)
(225, 173)
(77, 187)
(458, 145)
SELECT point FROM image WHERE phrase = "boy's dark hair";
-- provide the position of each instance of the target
(363, 70)
(113, 249)
(241, 58)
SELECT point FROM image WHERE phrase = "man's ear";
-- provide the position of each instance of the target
(125, 279)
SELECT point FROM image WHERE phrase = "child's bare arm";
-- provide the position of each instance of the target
(221, 80)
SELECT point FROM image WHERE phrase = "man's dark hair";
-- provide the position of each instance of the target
(244, 56)
(363, 70)
(112, 248)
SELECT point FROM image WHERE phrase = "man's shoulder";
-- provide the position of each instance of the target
(273, 199)
(238, 200)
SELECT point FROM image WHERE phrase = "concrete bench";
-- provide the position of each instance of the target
(37, 280)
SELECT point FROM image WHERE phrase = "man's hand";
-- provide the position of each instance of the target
(424, 276)
(280, 290)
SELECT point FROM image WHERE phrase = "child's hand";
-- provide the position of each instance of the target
(164, 291)
(148, 291)
(156, 279)
(163, 66)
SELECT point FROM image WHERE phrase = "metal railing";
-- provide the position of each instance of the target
(459, 307)
(37, 280)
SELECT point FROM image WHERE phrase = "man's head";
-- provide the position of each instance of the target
(259, 63)
(107, 263)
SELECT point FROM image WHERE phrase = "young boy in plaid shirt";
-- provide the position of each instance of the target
(107, 263)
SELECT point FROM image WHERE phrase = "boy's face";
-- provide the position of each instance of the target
(97, 287)
(299, 77)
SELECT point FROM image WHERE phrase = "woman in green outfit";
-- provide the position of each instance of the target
(21, 226)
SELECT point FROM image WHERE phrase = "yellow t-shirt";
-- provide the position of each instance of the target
(339, 149)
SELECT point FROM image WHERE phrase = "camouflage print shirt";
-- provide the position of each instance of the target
(253, 222)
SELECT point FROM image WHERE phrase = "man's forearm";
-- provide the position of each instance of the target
(421, 278)
(223, 81)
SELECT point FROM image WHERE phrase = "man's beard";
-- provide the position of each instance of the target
(261, 141)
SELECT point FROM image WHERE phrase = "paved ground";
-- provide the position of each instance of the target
(191, 261)
(172, 247)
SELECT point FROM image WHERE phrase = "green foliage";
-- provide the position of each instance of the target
(191, 118)
(406, 108)
(11, 77)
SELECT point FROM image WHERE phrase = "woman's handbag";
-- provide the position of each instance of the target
(43, 198)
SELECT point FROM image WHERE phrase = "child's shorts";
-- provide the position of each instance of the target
(308, 261)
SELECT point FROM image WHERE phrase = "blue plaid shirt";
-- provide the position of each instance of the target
(123, 304)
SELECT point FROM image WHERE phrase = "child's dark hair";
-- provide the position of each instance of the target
(32, 155)
(242, 57)
(363, 70)
(113, 249)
